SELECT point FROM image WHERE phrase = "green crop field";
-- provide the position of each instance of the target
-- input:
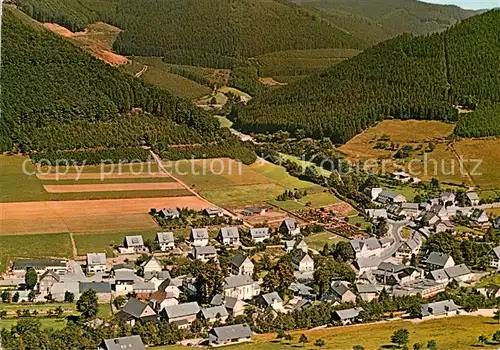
(242, 195)
(104, 242)
(279, 175)
(316, 241)
(452, 333)
(34, 246)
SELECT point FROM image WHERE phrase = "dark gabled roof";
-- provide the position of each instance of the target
(212, 312)
(238, 260)
(37, 263)
(98, 287)
(271, 298)
(290, 224)
(181, 310)
(134, 342)
(51, 274)
(436, 258)
(439, 307)
(339, 288)
(205, 250)
(134, 308)
(236, 331)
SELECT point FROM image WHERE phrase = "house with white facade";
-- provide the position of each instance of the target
(182, 314)
(436, 261)
(272, 300)
(302, 262)
(387, 197)
(410, 246)
(472, 198)
(289, 227)
(494, 258)
(229, 236)
(458, 273)
(199, 237)
(96, 262)
(366, 247)
(133, 245)
(225, 335)
(440, 308)
(214, 313)
(241, 265)
(241, 287)
(166, 241)
(260, 234)
(204, 253)
(150, 266)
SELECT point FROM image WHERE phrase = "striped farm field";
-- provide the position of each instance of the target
(113, 187)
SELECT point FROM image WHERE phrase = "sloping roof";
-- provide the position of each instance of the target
(199, 233)
(371, 243)
(126, 275)
(290, 224)
(212, 312)
(301, 244)
(51, 274)
(496, 251)
(170, 212)
(134, 241)
(472, 196)
(230, 302)
(217, 300)
(439, 307)
(98, 287)
(368, 288)
(349, 313)
(436, 258)
(133, 342)
(271, 298)
(289, 244)
(410, 206)
(37, 263)
(339, 288)
(212, 211)
(231, 332)
(414, 241)
(205, 250)
(237, 281)
(439, 275)
(300, 288)
(134, 307)
(259, 232)
(372, 261)
(301, 257)
(457, 271)
(229, 232)
(181, 310)
(239, 259)
(96, 259)
(165, 237)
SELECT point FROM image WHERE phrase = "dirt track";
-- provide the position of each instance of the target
(113, 187)
(87, 215)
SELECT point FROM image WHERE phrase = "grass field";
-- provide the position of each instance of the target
(45, 322)
(453, 333)
(104, 242)
(242, 195)
(34, 246)
(488, 151)
(305, 164)
(315, 200)
(279, 175)
(224, 122)
(316, 241)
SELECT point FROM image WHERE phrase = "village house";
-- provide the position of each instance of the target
(241, 287)
(366, 247)
(46, 281)
(160, 300)
(289, 245)
(341, 292)
(480, 217)
(96, 262)
(270, 300)
(229, 236)
(214, 313)
(410, 246)
(302, 245)
(387, 197)
(57, 266)
(124, 282)
(254, 210)
(182, 314)
(199, 237)
(241, 265)
(447, 198)
(391, 274)
(458, 273)
(436, 261)
(348, 316)
(149, 267)
(213, 212)
(289, 227)
(165, 241)
(411, 210)
(444, 226)
(102, 289)
(365, 264)
(302, 290)
(368, 292)
(234, 306)
(225, 335)
(133, 245)
(376, 213)
(472, 198)
(302, 262)
(260, 234)
(425, 288)
(204, 253)
(373, 192)
(133, 342)
(170, 213)
(440, 308)
(137, 311)
(494, 258)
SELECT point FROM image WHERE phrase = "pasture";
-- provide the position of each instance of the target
(317, 241)
(34, 246)
(457, 333)
(104, 242)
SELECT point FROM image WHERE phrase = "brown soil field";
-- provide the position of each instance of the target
(113, 187)
(87, 215)
(97, 176)
(56, 28)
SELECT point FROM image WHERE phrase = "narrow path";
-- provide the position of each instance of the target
(142, 71)
(457, 156)
(73, 246)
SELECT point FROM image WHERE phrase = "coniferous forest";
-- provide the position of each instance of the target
(57, 97)
(405, 77)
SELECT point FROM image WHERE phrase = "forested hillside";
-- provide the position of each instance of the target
(378, 20)
(52, 90)
(405, 77)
